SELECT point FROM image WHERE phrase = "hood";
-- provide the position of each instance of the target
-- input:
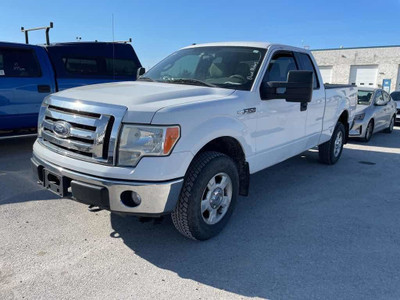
(143, 99)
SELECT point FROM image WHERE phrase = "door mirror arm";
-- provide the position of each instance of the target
(140, 72)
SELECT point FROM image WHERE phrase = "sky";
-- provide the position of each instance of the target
(158, 28)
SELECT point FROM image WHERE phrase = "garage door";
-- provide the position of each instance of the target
(326, 73)
(363, 75)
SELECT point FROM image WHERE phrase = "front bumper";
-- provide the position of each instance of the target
(157, 198)
(358, 128)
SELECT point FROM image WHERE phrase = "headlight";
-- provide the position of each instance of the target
(137, 141)
(359, 117)
(42, 111)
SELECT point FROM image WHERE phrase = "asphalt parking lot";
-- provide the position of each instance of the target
(307, 231)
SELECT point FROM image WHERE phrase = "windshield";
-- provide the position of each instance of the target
(395, 96)
(226, 67)
(364, 97)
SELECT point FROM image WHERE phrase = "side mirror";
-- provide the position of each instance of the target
(297, 88)
(379, 102)
(140, 72)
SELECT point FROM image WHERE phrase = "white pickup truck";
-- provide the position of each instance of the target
(186, 136)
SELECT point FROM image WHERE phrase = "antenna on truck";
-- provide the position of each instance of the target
(47, 28)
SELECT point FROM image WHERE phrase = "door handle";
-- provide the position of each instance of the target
(303, 106)
(43, 88)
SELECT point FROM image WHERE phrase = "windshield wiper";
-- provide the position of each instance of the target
(190, 81)
(145, 78)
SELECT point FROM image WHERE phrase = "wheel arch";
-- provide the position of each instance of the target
(344, 119)
(373, 123)
(231, 147)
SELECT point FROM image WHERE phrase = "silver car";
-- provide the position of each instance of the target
(376, 111)
(396, 97)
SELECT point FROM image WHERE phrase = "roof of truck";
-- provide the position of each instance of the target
(263, 45)
(87, 43)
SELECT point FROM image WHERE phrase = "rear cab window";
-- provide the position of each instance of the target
(19, 63)
(82, 66)
(94, 60)
(306, 64)
(99, 66)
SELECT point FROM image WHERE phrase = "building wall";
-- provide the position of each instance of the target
(387, 59)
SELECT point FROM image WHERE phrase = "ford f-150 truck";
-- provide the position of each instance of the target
(29, 73)
(186, 136)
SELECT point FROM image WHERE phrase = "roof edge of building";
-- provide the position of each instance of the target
(352, 48)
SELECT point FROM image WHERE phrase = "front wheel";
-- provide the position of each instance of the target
(208, 196)
(330, 151)
(391, 125)
(369, 131)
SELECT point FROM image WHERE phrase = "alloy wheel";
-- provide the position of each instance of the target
(338, 144)
(216, 198)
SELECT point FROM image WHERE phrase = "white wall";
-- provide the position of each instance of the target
(386, 58)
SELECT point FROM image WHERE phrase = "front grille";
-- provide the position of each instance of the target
(90, 129)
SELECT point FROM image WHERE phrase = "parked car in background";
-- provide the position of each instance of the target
(376, 111)
(396, 97)
(29, 73)
(186, 136)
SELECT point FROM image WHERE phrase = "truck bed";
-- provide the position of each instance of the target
(337, 86)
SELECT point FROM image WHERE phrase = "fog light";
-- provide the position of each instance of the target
(131, 198)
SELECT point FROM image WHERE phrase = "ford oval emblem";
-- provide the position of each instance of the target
(62, 129)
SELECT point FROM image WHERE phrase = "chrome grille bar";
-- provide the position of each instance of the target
(75, 132)
(91, 128)
(70, 144)
(72, 118)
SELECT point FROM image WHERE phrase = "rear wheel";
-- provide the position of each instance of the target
(330, 151)
(391, 125)
(208, 196)
(369, 131)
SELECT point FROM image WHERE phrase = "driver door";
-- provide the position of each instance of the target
(281, 125)
(380, 113)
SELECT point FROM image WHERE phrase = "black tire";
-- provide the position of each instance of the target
(391, 125)
(187, 216)
(327, 153)
(369, 131)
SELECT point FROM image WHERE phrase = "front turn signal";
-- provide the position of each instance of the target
(172, 135)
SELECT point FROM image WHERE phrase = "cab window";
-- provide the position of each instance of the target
(18, 63)
(279, 67)
(364, 97)
(81, 66)
(306, 64)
